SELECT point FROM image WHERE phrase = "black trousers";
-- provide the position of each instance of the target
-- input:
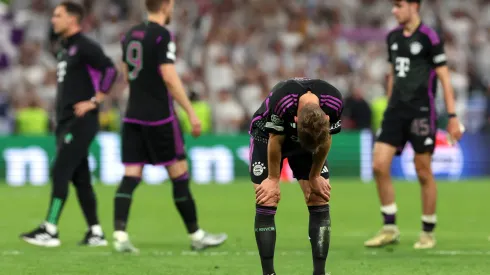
(73, 139)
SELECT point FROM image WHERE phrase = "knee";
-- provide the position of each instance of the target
(312, 199)
(271, 203)
(128, 185)
(134, 171)
(177, 169)
(424, 173)
(380, 167)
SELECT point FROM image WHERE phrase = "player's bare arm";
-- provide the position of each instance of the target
(274, 155)
(453, 127)
(319, 185)
(177, 90)
(268, 191)
(319, 158)
(124, 71)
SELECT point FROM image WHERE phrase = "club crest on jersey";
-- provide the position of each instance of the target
(415, 48)
(258, 168)
(394, 47)
(73, 50)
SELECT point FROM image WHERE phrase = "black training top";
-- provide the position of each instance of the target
(83, 69)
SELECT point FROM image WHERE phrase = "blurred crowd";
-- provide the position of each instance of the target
(232, 52)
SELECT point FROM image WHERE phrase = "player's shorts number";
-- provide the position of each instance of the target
(421, 127)
(134, 57)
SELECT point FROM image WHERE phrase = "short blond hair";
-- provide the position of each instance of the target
(313, 127)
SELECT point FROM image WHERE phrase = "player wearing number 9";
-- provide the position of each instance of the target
(151, 132)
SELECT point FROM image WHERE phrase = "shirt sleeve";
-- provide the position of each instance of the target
(166, 48)
(97, 60)
(276, 109)
(123, 47)
(437, 53)
(336, 123)
(388, 48)
(333, 106)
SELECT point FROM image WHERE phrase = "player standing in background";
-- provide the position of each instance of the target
(80, 62)
(296, 122)
(151, 132)
(417, 59)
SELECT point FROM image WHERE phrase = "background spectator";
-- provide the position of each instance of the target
(234, 67)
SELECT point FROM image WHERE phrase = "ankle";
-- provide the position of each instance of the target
(96, 229)
(120, 236)
(198, 235)
(51, 228)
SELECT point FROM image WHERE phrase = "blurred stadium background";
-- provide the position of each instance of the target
(231, 52)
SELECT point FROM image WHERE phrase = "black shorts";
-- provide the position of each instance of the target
(419, 129)
(156, 145)
(299, 162)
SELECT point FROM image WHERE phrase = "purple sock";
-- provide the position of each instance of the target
(428, 226)
(389, 218)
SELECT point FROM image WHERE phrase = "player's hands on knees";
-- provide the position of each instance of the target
(196, 125)
(454, 128)
(268, 191)
(320, 186)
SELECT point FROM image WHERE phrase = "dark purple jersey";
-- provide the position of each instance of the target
(277, 112)
(145, 47)
(414, 59)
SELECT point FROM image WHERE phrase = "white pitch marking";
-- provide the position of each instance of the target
(252, 253)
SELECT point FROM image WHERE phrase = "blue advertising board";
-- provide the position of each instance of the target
(468, 158)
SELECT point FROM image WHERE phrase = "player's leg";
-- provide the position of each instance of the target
(134, 155)
(383, 154)
(422, 138)
(264, 224)
(390, 140)
(82, 180)
(170, 136)
(319, 209)
(429, 198)
(185, 204)
(182, 195)
(73, 144)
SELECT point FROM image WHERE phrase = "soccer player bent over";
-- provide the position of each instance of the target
(417, 59)
(77, 103)
(151, 132)
(295, 122)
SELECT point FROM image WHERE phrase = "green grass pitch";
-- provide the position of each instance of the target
(155, 228)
